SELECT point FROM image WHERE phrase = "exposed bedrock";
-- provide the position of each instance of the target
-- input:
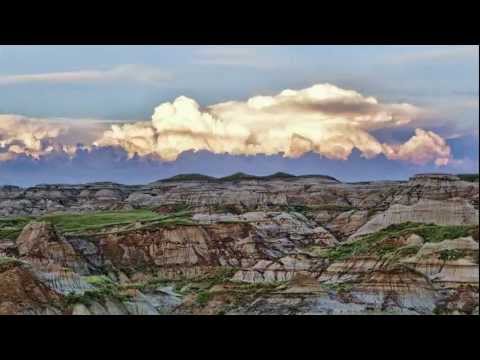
(281, 245)
(454, 211)
(246, 195)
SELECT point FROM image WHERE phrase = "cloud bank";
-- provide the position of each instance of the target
(323, 119)
(22, 136)
(19, 135)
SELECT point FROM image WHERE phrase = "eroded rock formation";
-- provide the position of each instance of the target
(286, 245)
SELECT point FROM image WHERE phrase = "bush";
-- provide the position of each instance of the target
(451, 255)
(203, 297)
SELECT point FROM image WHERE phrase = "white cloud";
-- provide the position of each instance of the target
(323, 119)
(137, 73)
(423, 147)
(20, 135)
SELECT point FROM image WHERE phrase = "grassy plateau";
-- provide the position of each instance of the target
(95, 222)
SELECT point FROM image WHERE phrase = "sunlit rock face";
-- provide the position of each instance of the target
(448, 212)
(242, 245)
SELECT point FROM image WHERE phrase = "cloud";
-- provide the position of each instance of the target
(136, 73)
(20, 136)
(423, 147)
(323, 119)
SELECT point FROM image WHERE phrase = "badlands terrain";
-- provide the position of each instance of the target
(242, 244)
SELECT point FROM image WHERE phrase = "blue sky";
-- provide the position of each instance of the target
(81, 84)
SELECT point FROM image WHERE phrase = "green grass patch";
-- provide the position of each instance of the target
(220, 275)
(10, 228)
(240, 291)
(86, 223)
(7, 262)
(203, 297)
(338, 287)
(104, 288)
(436, 233)
(380, 244)
(452, 254)
(260, 287)
(80, 223)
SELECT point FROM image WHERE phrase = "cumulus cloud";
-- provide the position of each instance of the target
(22, 136)
(129, 72)
(423, 147)
(322, 119)
(19, 135)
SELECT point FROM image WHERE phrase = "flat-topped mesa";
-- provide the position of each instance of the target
(433, 177)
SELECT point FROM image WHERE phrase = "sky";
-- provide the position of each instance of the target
(135, 114)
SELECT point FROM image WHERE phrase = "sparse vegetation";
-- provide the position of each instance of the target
(6, 262)
(203, 297)
(104, 288)
(338, 287)
(436, 233)
(10, 228)
(81, 223)
(219, 275)
(88, 223)
(451, 255)
(381, 243)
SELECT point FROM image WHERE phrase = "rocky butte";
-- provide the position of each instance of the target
(243, 244)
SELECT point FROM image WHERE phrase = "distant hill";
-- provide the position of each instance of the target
(326, 177)
(189, 177)
(240, 176)
(468, 177)
(279, 175)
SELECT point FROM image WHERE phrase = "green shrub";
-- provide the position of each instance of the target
(103, 288)
(203, 297)
(7, 262)
(10, 228)
(451, 255)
